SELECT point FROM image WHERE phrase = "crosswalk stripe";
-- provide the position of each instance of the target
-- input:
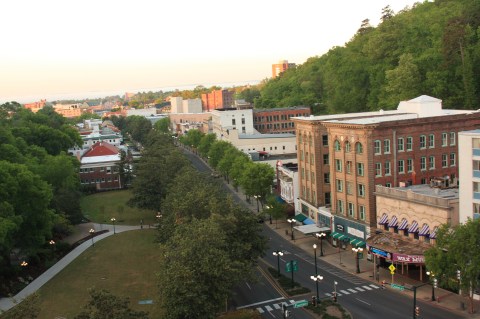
(292, 301)
(359, 289)
(328, 294)
(352, 290)
(344, 292)
(374, 286)
(260, 310)
(367, 287)
(268, 308)
(276, 306)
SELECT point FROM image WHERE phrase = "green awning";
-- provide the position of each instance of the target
(360, 243)
(300, 217)
(339, 236)
(354, 241)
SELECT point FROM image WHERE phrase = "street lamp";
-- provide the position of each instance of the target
(317, 278)
(24, 264)
(431, 275)
(315, 255)
(321, 236)
(269, 213)
(357, 257)
(52, 243)
(291, 222)
(92, 231)
(278, 253)
(256, 197)
(113, 221)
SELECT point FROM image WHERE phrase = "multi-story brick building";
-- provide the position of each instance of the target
(35, 106)
(98, 167)
(217, 99)
(342, 157)
(278, 120)
(280, 67)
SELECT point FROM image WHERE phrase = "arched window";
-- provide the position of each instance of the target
(359, 148)
(347, 147)
(337, 146)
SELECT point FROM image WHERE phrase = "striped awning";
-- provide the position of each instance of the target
(413, 227)
(357, 242)
(340, 236)
(403, 225)
(425, 231)
(384, 219)
(433, 234)
(393, 222)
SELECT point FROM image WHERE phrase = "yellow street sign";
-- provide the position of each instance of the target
(392, 268)
(392, 272)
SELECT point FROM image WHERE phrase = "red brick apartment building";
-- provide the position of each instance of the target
(98, 167)
(342, 157)
(35, 106)
(278, 120)
(218, 99)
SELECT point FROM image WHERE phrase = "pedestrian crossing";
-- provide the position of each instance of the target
(347, 291)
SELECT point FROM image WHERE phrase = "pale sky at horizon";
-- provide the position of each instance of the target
(54, 48)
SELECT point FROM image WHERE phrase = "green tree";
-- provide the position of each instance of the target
(163, 125)
(217, 151)
(104, 305)
(257, 179)
(206, 142)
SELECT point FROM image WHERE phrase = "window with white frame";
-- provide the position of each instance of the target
(388, 170)
(351, 209)
(359, 148)
(338, 165)
(452, 138)
(348, 147)
(349, 188)
(361, 190)
(409, 165)
(423, 163)
(453, 161)
(401, 166)
(409, 143)
(400, 145)
(337, 146)
(423, 141)
(431, 162)
(386, 146)
(340, 208)
(361, 212)
(360, 170)
(349, 167)
(444, 160)
(378, 169)
(339, 184)
(377, 146)
(431, 141)
(444, 139)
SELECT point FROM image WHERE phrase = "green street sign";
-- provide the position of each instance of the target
(300, 303)
(288, 266)
(395, 286)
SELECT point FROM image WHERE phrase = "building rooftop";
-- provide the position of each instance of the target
(425, 189)
(282, 109)
(472, 132)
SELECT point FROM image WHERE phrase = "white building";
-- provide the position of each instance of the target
(142, 112)
(469, 174)
(287, 175)
(226, 120)
(179, 105)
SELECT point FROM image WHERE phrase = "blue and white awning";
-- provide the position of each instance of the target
(393, 222)
(425, 231)
(384, 219)
(433, 234)
(403, 225)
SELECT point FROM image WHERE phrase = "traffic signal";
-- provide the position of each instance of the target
(417, 311)
(334, 297)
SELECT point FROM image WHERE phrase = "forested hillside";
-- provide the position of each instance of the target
(432, 48)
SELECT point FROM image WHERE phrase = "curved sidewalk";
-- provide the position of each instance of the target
(10, 302)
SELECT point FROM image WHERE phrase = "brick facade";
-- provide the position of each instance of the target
(218, 99)
(278, 120)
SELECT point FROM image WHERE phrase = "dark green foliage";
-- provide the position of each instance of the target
(138, 128)
(432, 48)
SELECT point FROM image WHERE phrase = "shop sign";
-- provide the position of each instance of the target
(412, 259)
(339, 227)
(380, 252)
(355, 232)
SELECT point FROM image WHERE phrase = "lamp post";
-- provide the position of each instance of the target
(52, 244)
(315, 256)
(317, 278)
(113, 221)
(433, 280)
(256, 197)
(24, 264)
(278, 253)
(291, 222)
(357, 257)
(92, 231)
(321, 236)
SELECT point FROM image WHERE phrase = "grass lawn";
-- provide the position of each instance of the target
(124, 264)
(101, 207)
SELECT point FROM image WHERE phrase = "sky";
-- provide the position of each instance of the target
(57, 49)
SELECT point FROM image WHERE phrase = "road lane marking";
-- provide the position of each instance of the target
(276, 306)
(260, 310)
(367, 287)
(373, 286)
(248, 286)
(363, 301)
(344, 292)
(268, 308)
(359, 289)
(261, 302)
(352, 290)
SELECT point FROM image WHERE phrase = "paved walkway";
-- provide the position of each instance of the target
(7, 303)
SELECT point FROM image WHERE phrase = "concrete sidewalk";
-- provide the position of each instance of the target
(8, 303)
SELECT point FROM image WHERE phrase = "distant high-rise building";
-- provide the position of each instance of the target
(218, 99)
(280, 67)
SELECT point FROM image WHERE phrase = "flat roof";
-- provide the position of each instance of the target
(268, 135)
(425, 189)
(100, 159)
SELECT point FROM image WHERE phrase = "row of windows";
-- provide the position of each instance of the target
(282, 117)
(447, 160)
(272, 148)
(305, 139)
(350, 209)
(308, 175)
(348, 167)
(348, 147)
(98, 180)
(349, 189)
(305, 157)
(233, 121)
(108, 169)
(406, 144)
(274, 126)
(95, 141)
